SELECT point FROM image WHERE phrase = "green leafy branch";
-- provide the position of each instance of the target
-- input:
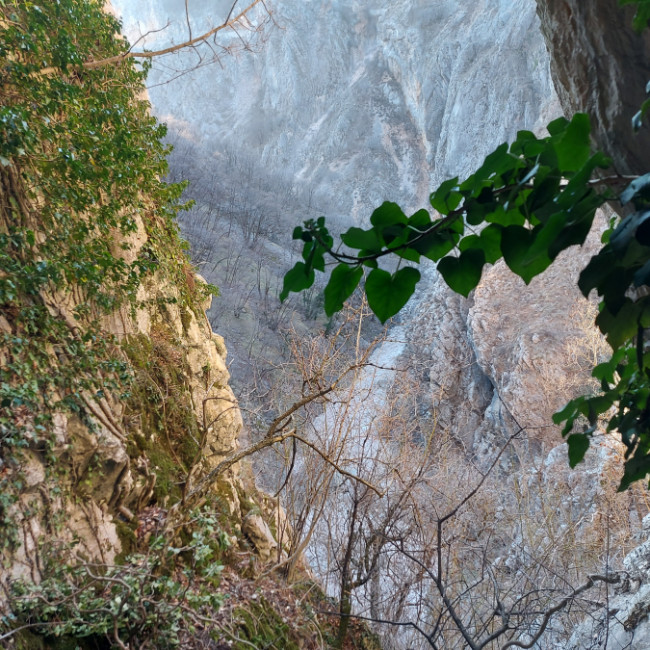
(527, 203)
(161, 596)
(80, 166)
(642, 16)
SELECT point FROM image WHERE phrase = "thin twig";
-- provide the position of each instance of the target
(120, 58)
(592, 579)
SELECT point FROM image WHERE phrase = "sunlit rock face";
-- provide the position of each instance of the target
(601, 66)
(624, 622)
(343, 105)
(355, 102)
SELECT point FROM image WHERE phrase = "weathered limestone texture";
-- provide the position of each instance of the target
(511, 355)
(536, 344)
(259, 534)
(625, 623)
(100, 475)
(601, 66)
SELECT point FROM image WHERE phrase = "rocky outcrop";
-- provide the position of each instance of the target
(258, 533)
(375, 103)
(601, 66)
(625, 622)
(101, 471)
(102, 477)
(538, 349)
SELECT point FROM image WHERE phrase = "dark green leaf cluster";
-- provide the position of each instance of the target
(620, 274)
(527, 203)
(154, 599)
(642, 16)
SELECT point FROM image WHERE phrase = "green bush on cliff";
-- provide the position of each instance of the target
(81, 162)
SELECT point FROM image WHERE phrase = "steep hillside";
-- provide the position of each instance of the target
(114, 397)
(372, 103)
(369, 103)
(417, 472)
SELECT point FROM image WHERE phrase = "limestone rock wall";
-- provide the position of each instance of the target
(383, 102)
(350, 103)
(601, 66)
(624, 623)
(101, 477)
(374, 103)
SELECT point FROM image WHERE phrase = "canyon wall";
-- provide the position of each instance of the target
(344, 105)
(600, 66)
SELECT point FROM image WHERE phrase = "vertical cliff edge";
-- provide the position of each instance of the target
(114, 392)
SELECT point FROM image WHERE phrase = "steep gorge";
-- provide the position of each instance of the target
(115, 401)
(509, 356)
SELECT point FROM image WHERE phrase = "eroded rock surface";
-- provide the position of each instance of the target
(101, 477)
(601, 66)
(625, 623)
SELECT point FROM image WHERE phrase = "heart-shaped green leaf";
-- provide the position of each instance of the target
(387, 293)
(342, 283)
(463, 273)
(573, 146)
(522, 253)
(298, 278)
(361, 239)
(447, 197)
(489, 241)
(578, 445)
(387, 214)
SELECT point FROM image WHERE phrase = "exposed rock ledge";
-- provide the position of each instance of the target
(625, 622)
(600, 66)
(101, 477)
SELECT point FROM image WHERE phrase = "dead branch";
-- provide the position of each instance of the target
(229, 23)
(274, 436)
(266, 442)
(591, 580)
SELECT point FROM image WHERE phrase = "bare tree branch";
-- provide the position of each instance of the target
(591, 581)
(272, 437)
(229, 23)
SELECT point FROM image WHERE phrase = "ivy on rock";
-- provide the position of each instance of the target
(81, 162)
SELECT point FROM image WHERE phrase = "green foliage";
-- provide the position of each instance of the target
(160, 401)
(154, 599)
(262, 626)
(528, 202)
(531, 201)
(80, 163)
(642, 16)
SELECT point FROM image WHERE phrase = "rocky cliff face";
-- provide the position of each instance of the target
(351, 103)
(369, 104)
(347, 104)
(624, 622)
(600, 67)
(106, 472)
(115, 398)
